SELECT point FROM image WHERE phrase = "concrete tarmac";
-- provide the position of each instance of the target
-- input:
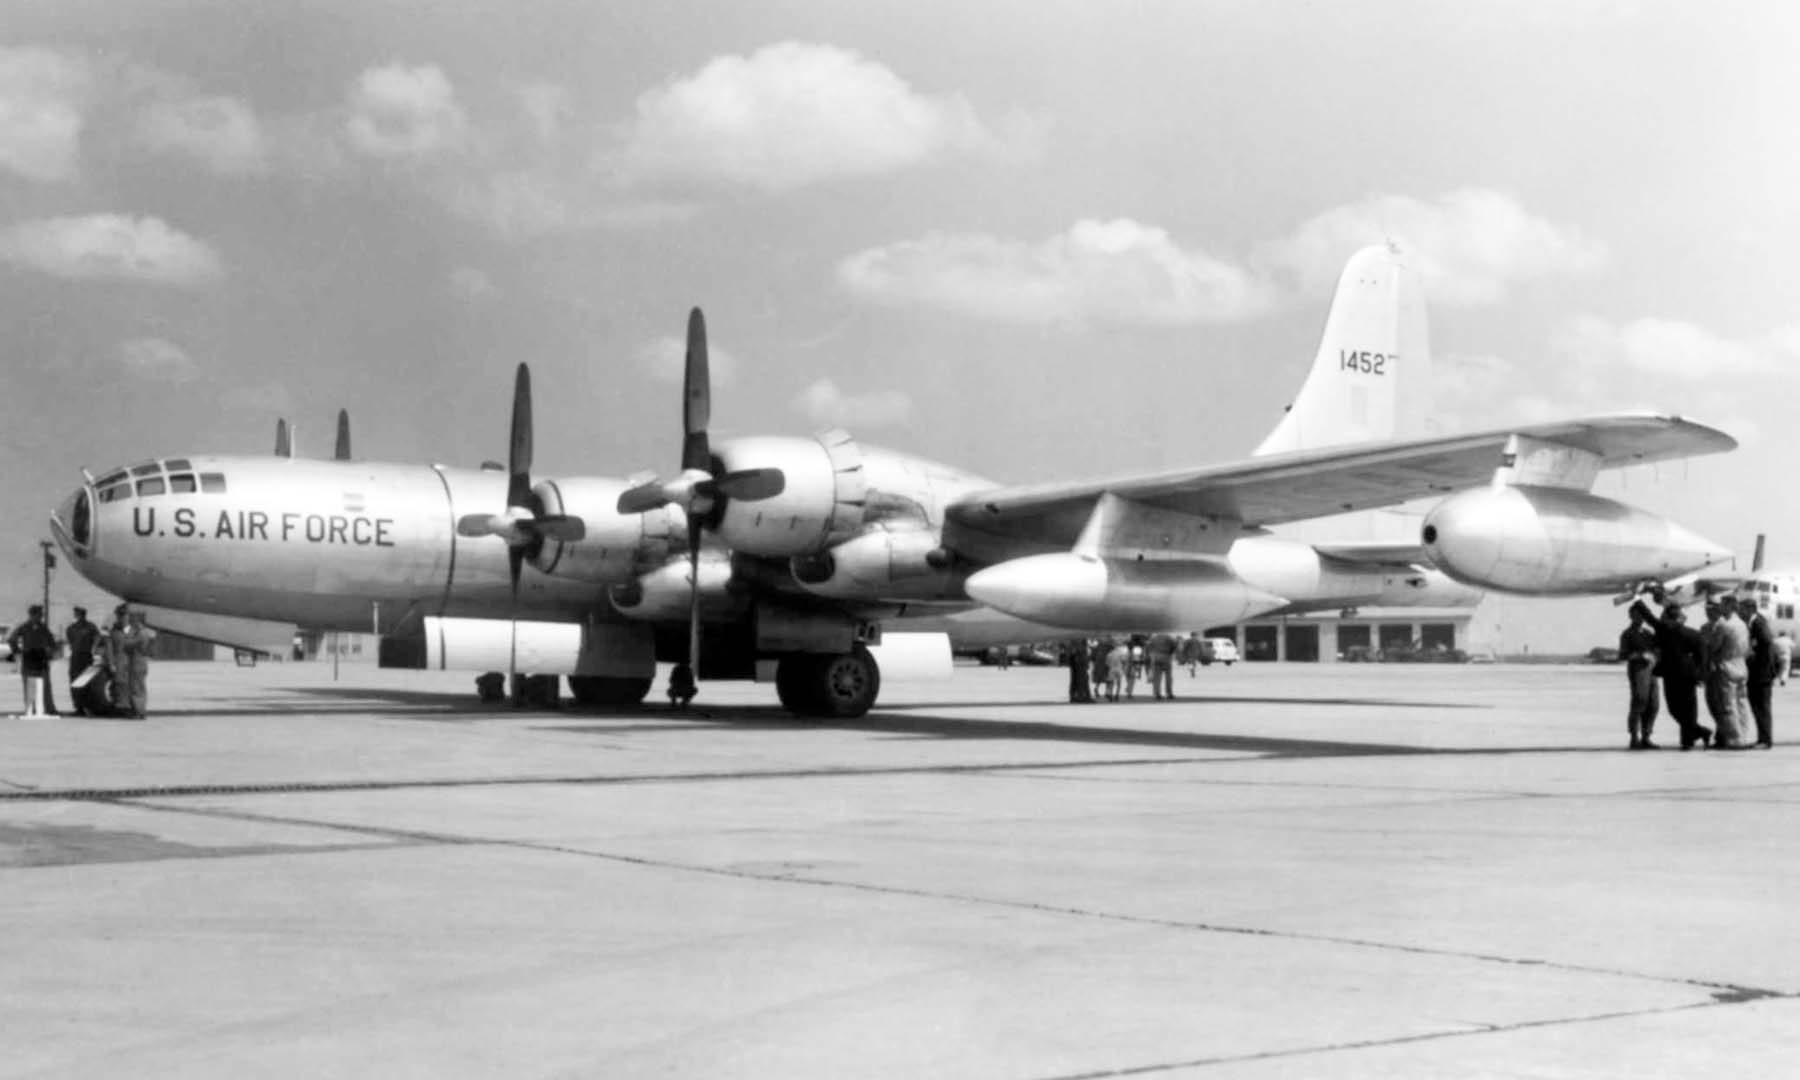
(1293, 870)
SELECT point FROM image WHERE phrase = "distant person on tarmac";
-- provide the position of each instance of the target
(1784, 657)
(1681, 662)
(83, 639)
(1190, 653)
(1161, 651)
(129, 644)
(1760, 677)
(1637, 647)
(33, 644)
(1079, 658)
(1118, 660)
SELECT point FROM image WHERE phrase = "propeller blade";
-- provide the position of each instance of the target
(515, 560)
(518, 462)
(562, 527)
(343, 436)
(696, 389)
(694, 599)
(642, 499)
(473, 525)
(749, 485)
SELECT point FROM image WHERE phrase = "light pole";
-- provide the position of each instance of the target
(49, 564)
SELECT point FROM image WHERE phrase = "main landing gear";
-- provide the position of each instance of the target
(837, 686)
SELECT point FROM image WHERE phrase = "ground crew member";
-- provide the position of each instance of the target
(129, 643)
(1190, 653)
(1731, 674)
(1162, 665)
(83, 639)
(1080, 659)
(1637, 647)
(1681, 660)
(33, 643)
(1784, 657)
(1760, 679)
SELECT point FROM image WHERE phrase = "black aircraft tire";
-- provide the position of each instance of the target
(845, 685)
(795, 680)
(607, 690)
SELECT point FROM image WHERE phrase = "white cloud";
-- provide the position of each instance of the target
(827, 406)
(405, 112)
(221, 133)
(665, 360)
(793, 114)
(1469, 245)
(1117, 272)
(102, 246)
(157, 360)
(1669, 350)
(43, 99)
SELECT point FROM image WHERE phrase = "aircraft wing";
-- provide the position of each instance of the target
(1002, 523)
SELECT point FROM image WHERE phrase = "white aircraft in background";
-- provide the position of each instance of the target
(792, 557)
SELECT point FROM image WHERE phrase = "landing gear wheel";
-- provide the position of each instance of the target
(795, 679)
(607, 690)
(846, 684)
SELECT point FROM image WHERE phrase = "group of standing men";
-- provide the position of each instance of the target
(1733, 658)
(1101, 671)
(121, 653)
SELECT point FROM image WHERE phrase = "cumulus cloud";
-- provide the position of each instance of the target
(110, 246)
(43, 100)
(827, 406)
(1667, 349)
(1469, 245)
(221, 133)
(156, 360)
(665, 360)
(790, 115)
(1117, 272)
(399, 112)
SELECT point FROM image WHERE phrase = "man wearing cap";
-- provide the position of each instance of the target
(1681, 659)
(83, 637)
(32, 642)
(1637, 647)
(1729, 656)
(129, 644)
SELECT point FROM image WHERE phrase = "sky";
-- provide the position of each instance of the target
(1035, 240)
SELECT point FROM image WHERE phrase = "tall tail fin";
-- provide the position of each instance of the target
(1371, 378)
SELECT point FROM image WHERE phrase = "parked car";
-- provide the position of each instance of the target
(1222, 649)
(1601, 654)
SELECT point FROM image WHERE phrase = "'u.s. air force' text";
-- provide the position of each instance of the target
(352, 530)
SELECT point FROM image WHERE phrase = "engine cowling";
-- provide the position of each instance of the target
(879, 564)
(663, 594)
(1552, 541)
(1084, 593)
(616, 546)
(820, 505)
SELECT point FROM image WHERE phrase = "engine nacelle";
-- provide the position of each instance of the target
(1553, 541)
(616, 546)
(821, 503)
(1084, 593)
(891, 564)
(663, 594)
(541, 648)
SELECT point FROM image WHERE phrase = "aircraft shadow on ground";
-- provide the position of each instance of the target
(923, 722)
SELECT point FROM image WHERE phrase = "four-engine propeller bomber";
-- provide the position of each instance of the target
(790, 557)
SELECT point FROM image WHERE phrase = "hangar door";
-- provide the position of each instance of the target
(1303, 642)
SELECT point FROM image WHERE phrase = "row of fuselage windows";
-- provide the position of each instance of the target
(175, 476)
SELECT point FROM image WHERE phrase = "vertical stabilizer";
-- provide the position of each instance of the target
(1371, 378)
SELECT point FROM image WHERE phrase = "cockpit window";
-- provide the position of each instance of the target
(177, 464)
(83, 520)
(115, 493)
(149, 468)
(111, 478)
(181, 483)
(151, 486)
(212, 482)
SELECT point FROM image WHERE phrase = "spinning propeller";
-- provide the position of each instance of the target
(701, 489)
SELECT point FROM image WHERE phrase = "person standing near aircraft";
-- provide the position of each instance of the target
(1161, 651)
(129, 643)
(83, 638)
(1118, 658)
(1784, 656)
(32, 642)
(1730, 675)
(1190, 653)
(1681, 661)
(1761, 675)
(1079, 658)
(1637, 647)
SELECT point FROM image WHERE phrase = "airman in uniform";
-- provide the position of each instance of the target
(129, 644)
